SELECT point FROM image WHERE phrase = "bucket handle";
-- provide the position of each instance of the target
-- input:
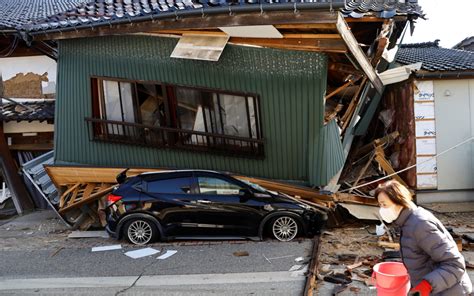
(393, 289)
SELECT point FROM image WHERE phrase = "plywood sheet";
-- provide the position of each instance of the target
(424, 90)
(200, 47)
(427, 181)
(424, 110)
(425, 128)
(252, 31)
(426, 164)
(426, 146)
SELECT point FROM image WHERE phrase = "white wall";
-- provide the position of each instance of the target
(454, 112)
(27, 127)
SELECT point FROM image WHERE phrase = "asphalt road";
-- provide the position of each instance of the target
(38, 258)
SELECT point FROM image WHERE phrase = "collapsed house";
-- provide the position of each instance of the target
(272, 91)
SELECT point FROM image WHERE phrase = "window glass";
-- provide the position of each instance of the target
(234, 116)
(118, 101)
(127, 102)
(152, 106)
(175, 185)
(209, 185)
(113, 110)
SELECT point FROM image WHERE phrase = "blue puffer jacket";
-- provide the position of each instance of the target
(429, 252)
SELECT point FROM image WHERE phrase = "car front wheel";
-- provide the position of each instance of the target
(284, 228)
(140, 231)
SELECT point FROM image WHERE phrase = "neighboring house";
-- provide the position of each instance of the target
(29, 127)
(466, 44)
(27, 79)
(438, 113)
(124, 99)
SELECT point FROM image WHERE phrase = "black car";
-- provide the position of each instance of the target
(196, 204)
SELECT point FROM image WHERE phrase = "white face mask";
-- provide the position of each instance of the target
(389, 214)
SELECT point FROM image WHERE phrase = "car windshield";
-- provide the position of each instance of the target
(255, 186)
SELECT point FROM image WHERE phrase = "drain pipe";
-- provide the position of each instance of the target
(296, 6)
(439, 75)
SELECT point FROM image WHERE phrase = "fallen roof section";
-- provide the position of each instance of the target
(28, 111)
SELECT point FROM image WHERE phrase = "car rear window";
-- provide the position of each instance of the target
(174, 185)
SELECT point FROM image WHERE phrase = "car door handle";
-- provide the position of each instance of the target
(204, 201)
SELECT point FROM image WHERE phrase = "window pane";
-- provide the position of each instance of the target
(127, 102)
(190, 114)
(217, 186)
(234, 115)
(253, 120)
(113, 110)
(152, 107)
(176, 185)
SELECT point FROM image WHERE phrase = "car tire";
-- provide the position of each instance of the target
(284, 228)
(140, 231)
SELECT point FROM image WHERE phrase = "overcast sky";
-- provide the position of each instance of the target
(450, 21)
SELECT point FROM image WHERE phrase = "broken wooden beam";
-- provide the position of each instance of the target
(386, 166)
(311, 276)
(358, 54)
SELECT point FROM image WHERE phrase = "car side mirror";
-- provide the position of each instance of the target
(245, 194)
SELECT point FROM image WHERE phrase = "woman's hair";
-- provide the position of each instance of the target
(397, 193)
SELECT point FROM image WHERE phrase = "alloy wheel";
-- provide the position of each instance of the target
(285, 228)
(140, 232)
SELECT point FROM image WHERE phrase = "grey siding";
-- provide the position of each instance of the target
(290, 84)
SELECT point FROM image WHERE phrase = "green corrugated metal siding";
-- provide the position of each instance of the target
(291, 85)
(328, 156)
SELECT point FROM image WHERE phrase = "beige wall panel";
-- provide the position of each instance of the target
(454, 124)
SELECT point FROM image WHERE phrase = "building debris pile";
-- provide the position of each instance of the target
(348, 254)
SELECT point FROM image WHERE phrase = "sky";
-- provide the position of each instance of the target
(450, 21)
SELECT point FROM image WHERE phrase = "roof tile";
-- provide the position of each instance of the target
(41, 111)
(435, 58)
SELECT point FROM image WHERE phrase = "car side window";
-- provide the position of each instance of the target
(174, 186)
(209, 185)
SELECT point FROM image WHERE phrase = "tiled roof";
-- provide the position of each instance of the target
(15, 13)
(108, 11)
(466, 44)
(42, 110)
(435, 58)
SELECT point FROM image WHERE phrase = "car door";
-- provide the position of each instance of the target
(229, 213)
(171, 198)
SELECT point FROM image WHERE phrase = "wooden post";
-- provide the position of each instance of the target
(20, 196)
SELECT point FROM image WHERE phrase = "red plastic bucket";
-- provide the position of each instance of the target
(391, 279)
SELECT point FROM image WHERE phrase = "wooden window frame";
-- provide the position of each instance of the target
(99, 125)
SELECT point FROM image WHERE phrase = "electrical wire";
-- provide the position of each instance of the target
(410, 167)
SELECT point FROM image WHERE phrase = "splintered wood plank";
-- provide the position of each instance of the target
(306, 26)
(63, 175)
(352, 105)
(386, 166)
(289, 189)
(358, 54)
(62, 199)
(73, 197)
(88, 190)
(308, 44)
(311, 276)
(85, 201)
